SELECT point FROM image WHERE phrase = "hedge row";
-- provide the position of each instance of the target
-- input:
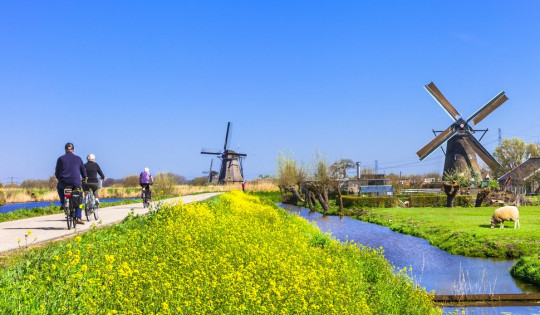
(432, 201)
(435, 201)
(371, 202)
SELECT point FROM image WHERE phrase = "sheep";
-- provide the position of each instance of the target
(508, 213)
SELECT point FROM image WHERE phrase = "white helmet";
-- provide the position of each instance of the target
(91, 157)
(146, 169)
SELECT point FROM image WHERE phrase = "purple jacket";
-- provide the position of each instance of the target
(69, 169)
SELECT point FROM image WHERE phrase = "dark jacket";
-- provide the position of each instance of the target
(92, 169)
(69, 169)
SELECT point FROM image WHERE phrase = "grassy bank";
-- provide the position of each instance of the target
(527, 269)
(463, 231)
(466, 231)
(53, 209)
(234, 254)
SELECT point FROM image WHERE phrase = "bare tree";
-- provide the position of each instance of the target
(52, 182)
(338, 173)
(130, 181)
(321, 181)
(453, 180)
(290, 176)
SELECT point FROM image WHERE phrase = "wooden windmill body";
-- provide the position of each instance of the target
(231, 170)
(461, 145)
(212, 175)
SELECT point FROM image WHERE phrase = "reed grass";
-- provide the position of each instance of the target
(19, 195)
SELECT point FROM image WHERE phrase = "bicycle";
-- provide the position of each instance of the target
(145, 196)
(90, 205)
(69, 209)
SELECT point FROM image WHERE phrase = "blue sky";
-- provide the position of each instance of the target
(151, 83)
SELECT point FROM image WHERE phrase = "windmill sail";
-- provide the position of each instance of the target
(488, 108)
(481, 151)
(445, 104)
(435, 143)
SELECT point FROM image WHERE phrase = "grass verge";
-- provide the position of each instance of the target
(233, 254)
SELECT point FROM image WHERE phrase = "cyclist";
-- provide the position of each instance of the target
(145, 180)
(93, 169)
(69, 169)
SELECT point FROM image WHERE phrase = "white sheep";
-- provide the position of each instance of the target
(508, 213)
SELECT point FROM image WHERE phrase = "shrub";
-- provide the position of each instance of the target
(435, 201)
(527, 269)
(369, 202)
(130, 181)
(427, 201)
(463, 201)
(289, 198)
(164, 184)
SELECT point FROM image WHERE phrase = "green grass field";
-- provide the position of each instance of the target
(466, 231)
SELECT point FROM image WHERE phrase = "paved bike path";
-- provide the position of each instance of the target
(54, 226)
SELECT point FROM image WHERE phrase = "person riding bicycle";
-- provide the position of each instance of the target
(68, 172)
(145, 180)
(93, 169)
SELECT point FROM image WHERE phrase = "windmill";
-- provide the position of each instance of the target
(231, 162)
(462, 147)
(212, 175)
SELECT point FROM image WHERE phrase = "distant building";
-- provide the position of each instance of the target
(369, 184)
(523, 179)
(376, 190)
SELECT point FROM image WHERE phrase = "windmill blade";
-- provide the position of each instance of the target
(227, 136)
(237, 154)
(211, 153)
(479, 149)
(439, 97)
(488, 108)
(436, 143)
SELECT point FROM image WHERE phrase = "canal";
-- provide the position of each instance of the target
(432, 268)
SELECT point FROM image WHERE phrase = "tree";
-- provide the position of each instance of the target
(52, 182)
(321, 181)
(512, 152)
(453, 181)
(130, 181)
(338, 172)
(199, 181)
(290, 176)
(108, 182)
(164, 183)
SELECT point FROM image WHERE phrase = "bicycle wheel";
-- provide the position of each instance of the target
(87, 206)
(73, 217)
(68, 214)
(96, 211)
